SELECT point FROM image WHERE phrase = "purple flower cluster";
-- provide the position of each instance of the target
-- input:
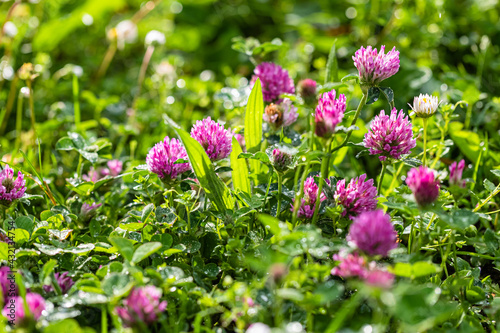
(358, 196)
(275, 81)
(423, 183)
(351, 265)
(456, 174)
(14, 308)
(329, 113)
(64, 281)
(114, 167)
(373, 233)
(307, 90)
(308, 204)
(281, 160)
(390, 136)
(11, 189)
(7, 282)
(213, 137)
(88, 211)
(373, 66)
(162, 156)
(142, 304)
(282, 115)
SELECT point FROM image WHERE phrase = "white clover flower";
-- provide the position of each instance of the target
(125, 33)
(154, 37)
(424, 106)
(10, 29)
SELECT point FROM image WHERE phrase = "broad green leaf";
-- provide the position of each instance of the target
(253, 122)
(66, 325)
(388, 93)
(332, 66)
(25, 223)
(145, 250)
(124, 246)
(215, 189)
(240, 169)
(4, 251)
(373, 95)
(352, 76)
(418, 269)
(467, 141)
(273, 224)
(146, 212)
(47, 269)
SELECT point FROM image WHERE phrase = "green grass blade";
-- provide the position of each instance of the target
(332, 66)
(240, 169)
(216, 190)
(253, 123)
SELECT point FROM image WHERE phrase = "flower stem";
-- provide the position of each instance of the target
(19, 124)
(381, 178)
(424, 159)
(298, 198)
(325, 169)
(76, 102)
(358, 112)
(280, 184)
(268, 186)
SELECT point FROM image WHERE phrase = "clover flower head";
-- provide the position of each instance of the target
(373, 233)
(373, 66)
(161, 159)
(7, 282)
(390, 136)
(155, 37)
(329, 113)
(114, 168)
(350, 265)
(10, 188)
(36, 305)
(125, 33)
(423, 183)
(280, 115)
(307, 90)
(379, 278)
(424, 106)
(358, 196)
(456, 174)
(213, 137)
(308, 203)
(64, 281)
(275, 81)
(258, 328)
(88, 211)
(142, 304)
(282, 159)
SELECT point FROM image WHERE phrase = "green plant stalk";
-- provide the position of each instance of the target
(33, 125)
(325, 169)
(268, 186)
(298, 198)
(19, 124)
(76, 101)
(411, 236)
(362, 103)
(104, 319)
(347, 309)
(381, 178)
(394, 177)
(280, 184)
(424, 158)
(10, 103)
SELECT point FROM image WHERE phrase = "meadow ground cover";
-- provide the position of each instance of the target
(249, 166)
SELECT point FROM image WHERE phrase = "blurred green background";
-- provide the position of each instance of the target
(449, 48)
